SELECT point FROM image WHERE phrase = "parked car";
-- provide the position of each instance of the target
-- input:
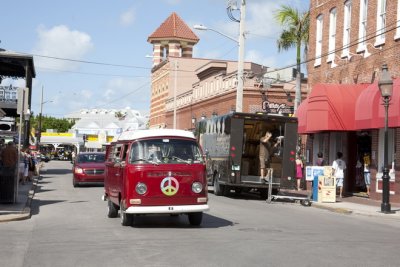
(88, 168)
(43, 158)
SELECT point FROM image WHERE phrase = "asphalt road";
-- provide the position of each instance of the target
(69, 227)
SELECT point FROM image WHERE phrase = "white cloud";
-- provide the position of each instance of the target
(172, 2)
(61, 42)
(128, 17)
(263, 22)
(259, 58)
(120, 92)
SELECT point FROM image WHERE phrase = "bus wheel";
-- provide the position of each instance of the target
(218, 189)
(195, 218)
(126, 218)
(112, 210)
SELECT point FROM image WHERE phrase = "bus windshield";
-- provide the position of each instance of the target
(165, 151)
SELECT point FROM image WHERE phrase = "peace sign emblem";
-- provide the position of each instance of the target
(169, 186)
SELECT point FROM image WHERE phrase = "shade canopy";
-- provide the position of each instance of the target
(329, 107)
(370, 112)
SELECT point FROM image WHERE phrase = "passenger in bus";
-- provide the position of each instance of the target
(265, 154)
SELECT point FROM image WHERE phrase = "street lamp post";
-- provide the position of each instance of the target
(27, 117)
(240, 72)
(386, 87)
(39, 135)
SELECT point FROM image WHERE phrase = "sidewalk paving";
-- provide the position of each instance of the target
(21, 210)
(353, 205)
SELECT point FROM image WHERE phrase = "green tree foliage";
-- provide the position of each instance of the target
(294, 35)
(60, 125)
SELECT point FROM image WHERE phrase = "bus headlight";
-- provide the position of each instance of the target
(197, 187)
(141, 188)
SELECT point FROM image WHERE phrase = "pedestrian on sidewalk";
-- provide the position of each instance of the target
(9, 156)
(299, 171)
(338, 167)
(320, 160)
(367, 174)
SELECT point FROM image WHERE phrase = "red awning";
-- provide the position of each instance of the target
(370, 113)
(301, 112)
(330, 107)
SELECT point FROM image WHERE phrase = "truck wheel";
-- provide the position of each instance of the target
(195, 218)
(275, 191)
(305, 202)
(226, 190)
(112, 210)
(126, 219)
(238, 191)
(263, 193)
(218, 189)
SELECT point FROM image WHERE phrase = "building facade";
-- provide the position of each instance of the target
(349, 42)
(186, 89)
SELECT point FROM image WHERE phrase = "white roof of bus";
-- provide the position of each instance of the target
(138, 134)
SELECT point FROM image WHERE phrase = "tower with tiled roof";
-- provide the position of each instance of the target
(173, 38)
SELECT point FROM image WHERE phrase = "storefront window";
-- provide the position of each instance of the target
(391, 148)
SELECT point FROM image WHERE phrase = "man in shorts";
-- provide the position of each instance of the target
(338, 167)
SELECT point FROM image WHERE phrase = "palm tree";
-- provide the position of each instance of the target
(295, 34)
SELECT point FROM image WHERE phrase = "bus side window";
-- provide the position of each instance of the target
(125, 152)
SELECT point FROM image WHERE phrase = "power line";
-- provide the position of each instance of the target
(358, 41)
(125, 95)
(95, 74)
(86, 61)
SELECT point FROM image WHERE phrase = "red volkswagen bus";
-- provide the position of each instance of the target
(160, 171)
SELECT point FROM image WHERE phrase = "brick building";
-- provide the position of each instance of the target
(192, 88)
(349, 42)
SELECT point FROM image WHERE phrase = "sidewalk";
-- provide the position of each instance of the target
(21, 210)
(353, 205)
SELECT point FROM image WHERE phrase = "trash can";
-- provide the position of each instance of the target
(7, 185)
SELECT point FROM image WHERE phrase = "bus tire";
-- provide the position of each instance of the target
(112, 211)
(195, 218)
(126, 218)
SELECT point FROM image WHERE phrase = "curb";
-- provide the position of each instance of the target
(337, 210)
(26, 212)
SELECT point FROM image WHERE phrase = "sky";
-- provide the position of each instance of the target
(102, 46)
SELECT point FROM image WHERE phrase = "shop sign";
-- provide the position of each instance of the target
(277, 108)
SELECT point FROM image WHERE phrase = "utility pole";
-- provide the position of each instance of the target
(39, 135)
(239, 92)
